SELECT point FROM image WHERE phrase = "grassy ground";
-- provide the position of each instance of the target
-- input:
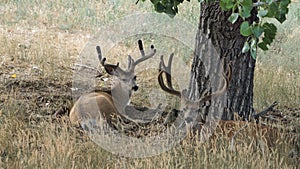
(40, 42)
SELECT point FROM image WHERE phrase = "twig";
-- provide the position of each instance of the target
(87, 67)
(270, 108)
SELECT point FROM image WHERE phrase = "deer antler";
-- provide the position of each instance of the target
(169, 88)
(144, 57)
(109, 68)
(163, 69)
(113, 69)
(227, 78)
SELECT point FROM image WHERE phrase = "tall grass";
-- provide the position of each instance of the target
(57, 145)
(277, 75)
(40, 42)
(78, 15)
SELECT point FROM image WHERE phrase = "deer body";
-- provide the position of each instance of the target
(93, 105)
(230, 129)
(103, 105)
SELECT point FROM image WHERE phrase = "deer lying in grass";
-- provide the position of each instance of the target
(102, 105)
(232, 129)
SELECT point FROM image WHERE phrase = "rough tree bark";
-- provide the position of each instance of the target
(216, 39)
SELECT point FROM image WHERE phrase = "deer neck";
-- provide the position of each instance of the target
(121, 96)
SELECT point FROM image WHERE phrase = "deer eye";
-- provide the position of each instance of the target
(134, 78)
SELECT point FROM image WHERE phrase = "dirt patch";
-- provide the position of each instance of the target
(35, 94)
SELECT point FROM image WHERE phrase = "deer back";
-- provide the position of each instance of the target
(92, 106)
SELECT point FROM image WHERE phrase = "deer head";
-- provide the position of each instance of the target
(126, 78)
(166, 70)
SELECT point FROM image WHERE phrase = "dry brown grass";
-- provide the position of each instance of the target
(39, 48)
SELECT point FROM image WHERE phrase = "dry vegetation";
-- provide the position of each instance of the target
(40, 42)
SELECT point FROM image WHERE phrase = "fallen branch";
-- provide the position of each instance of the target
(87, 67)
(270, 108)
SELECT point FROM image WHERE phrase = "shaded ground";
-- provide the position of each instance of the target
(39, 95)
(48, 96)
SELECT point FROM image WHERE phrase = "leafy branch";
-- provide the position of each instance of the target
(260, 34)
(169, 7)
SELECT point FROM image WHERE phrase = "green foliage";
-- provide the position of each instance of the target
(169, 7)
(233, 17)
(269, 35)
(260, 34)
(255, 31)
(226, 4)
(278, 10)
(245, 29)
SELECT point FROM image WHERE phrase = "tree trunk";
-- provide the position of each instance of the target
(217, 40)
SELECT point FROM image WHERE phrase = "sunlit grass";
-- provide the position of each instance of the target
(42, 40)
(276, 84)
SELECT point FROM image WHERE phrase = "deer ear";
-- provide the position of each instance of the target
(111, 69)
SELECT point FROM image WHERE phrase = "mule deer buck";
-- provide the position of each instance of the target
(230, 128)
(105, 104)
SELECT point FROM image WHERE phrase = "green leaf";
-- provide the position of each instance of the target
(253, 53)
(246, 11)
(247, 7)
(226, 4)
(253, 43)
(245, 29)
(159, 7)
(281, 15)
(154, 1)
(247, 3)
(262, 45)
(262, 13)
(283, 10)
(257, 31)
(278, 10)
(269, 33)
(229, 5)
(253, 47)
(170, 12)
(246, 47)
(272, 10)
(169, 7)
(223, 5)
(285, 3)
(269, 1)
(233, 17)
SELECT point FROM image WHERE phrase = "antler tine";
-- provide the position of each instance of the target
(130, 61)
(161, 82)
(226, 78)
(144, 57)
(109, 68)
(102, 60)
(162, 66)
(229, 71)
(162, 69)
(141, 47)
(167, 70)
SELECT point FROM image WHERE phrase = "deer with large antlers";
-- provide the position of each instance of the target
(230, 128)
(166, 70)
(102, 105)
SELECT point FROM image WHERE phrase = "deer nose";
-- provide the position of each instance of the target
(135, 88)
